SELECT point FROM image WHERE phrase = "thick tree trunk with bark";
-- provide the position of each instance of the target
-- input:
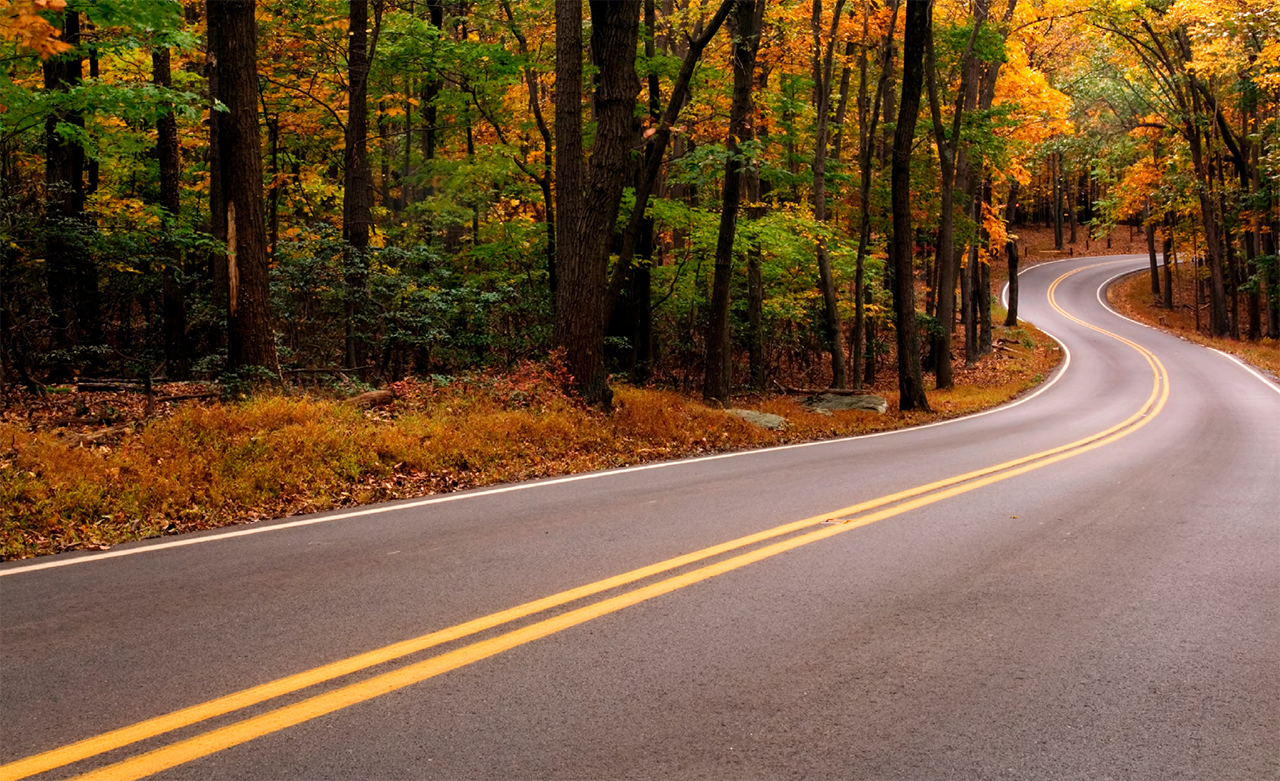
(656, 150)
(910, 377)
(250, 341)
(357, 193)
(588, 196)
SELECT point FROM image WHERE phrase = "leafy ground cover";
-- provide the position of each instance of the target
(96, 469)
(1132, 297)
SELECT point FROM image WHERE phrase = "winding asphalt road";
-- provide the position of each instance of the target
(1085, 584)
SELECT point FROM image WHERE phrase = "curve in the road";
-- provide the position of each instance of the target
(793, 535)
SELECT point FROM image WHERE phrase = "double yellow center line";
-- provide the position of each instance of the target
(785, 537)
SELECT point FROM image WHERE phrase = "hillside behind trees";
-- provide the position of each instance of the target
(697, 194)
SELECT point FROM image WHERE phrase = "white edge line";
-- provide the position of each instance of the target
(1246, 367)
(411, 505)
(1107, 305)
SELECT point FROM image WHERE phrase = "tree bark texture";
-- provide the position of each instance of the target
(655, 151)
(588, 195)
(910, 377)
(250, 340)
(357, 184)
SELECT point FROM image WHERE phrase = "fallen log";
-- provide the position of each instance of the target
(818, 391)
(84, 386)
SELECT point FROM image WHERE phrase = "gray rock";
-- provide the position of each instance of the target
(762, 419)
(839, 401)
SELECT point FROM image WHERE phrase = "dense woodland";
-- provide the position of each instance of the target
(710, 195)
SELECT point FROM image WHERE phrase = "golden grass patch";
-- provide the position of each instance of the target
(209, 464)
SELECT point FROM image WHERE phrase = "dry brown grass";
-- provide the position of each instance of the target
(211, 464)
(1132, 296)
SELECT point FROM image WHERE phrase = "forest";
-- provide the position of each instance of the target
(703, 195)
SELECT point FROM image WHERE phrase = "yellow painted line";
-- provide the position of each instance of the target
(124, 736)
(291, 715)
(240, 732)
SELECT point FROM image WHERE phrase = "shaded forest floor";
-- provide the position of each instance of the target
(89, 470)
(1132, 297)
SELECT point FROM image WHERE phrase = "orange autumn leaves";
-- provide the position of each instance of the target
(20, 20)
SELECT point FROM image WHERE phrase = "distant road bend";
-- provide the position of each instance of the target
(1082, 584)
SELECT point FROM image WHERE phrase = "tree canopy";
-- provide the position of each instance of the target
(695, 193)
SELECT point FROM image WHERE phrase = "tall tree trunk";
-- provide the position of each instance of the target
(66, 256)
(1269, 228)
(173, 291)
(969, 276)
(910, 377)
(1230, 268)
(1150, 228)
(641, 293)
(588, 196)
(822, 79)
(1011, 252)
(744, 30)
(430, 137)
(842, 105)
(1218, 325)
(1272, 276)
(217, 258)
(357, 193)
(868, 118)
(755, 282)
(1056, 168)
(1248, 185)
(983, 292)
(533, 84)
(1073, 201)
(966, 96)
(1169, 259)
(655, 150)
(250, 341)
